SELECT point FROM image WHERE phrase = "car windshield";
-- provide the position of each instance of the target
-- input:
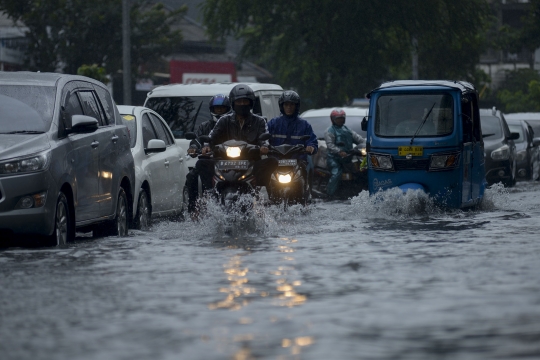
(321, 123)
(131, 122)
(26, 108)
(420, 115)
(518, 129)
(183, 114)
(491, 127)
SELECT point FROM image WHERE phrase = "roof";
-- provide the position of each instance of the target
(349, 111)
(205, 89)
(523, 116)
(463, 86)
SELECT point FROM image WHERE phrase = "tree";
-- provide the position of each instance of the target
(332, 50)
(520, 92)
(65, 34)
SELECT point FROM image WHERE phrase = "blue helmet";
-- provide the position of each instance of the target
(219, 100)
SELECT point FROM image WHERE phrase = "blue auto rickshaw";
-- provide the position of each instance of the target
(426, 135)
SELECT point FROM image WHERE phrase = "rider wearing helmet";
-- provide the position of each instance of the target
(337, 154)
(219, 105)
(289, 128)
(239, 124)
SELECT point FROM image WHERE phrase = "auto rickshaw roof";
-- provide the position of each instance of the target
(464, 86)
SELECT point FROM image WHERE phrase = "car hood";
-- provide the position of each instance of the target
(15, 145)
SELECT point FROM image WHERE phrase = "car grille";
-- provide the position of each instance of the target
(402, 164)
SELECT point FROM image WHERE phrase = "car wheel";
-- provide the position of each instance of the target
(63, 225)
(144, 215)
(118, 226)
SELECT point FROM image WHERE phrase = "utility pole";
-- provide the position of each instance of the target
(126, 52)
(414, 54)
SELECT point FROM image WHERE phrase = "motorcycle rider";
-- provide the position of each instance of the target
(239, 124)
(289, 128)
(219, 105)
(337, 154)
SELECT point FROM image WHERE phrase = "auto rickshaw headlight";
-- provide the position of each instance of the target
(381, 162)
(502, 153)
(443, 161)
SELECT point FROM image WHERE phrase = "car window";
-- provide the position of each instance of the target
(73, 106)
(491, 127)
(321, 123)
(182, 114)
(90, 105)
(131, 122)
(266, 106)
(162, 130)
(107, 103)
(518, 129)
(148, 130)
(26, 108)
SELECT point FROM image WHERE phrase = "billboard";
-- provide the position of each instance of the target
(205, 72)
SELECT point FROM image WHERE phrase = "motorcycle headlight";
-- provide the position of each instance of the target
(381, 162)
(284, 178)
(363, 151)
(521, 155)
(502, 153)
(32, 163)
(233, 151)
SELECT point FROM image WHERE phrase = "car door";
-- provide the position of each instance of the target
(175, 173)
(83, 158)
(156, 166)
(107, 151)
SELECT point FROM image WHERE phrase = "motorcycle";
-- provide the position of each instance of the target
(289, 183)
(353, 179)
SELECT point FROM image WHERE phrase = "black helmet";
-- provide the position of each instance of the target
(219, 100)
(289, 96)
(242, 91)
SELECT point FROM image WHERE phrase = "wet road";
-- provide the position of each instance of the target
(360, 280)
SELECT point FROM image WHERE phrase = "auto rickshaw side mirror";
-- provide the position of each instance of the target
(514, 136)
(364, 123)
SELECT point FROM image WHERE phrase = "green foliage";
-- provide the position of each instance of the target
(332, 50)
(93, 71)
(520, 92)
(65, 34)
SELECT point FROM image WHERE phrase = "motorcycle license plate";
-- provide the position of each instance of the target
(233, 164)
(287, 162)
(413, 150)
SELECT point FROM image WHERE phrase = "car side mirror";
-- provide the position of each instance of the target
(265, 136)
(83, 123)
(191, 136)
(536, 142)
(363, 124)
(514, 136)
(155, 146)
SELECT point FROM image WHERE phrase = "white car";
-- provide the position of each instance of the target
(320, 121)
(160, 166)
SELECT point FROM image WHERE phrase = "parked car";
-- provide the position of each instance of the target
(527, 150)
(499, 148)
(320, 121)
(533, 119)
(160, 166)
(185, 106)
(65, 162)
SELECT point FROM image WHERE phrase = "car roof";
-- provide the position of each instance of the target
(38, 78)
(349, 111)
(463, 86)
(205, 89)
(523, 116)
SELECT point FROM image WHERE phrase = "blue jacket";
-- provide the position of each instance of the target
(288, 130)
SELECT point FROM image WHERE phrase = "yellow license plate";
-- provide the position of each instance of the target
(413, 150)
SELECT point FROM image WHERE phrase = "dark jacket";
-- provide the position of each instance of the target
(204, 129)
(228, 128)
(288, 130)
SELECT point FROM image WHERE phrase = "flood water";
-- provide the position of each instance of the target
(391, 279)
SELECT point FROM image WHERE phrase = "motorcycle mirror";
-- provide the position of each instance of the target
(364, 124)
(205, 138)
(191, 136)
(265, 136)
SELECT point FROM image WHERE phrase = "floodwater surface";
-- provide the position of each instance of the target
(395, 278)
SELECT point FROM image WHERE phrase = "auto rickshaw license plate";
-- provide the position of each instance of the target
(287, 162)
(413, 150)
(233, 164)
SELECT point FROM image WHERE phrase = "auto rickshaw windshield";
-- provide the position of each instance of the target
(421, 115)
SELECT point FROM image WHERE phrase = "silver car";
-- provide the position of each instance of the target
(65, 160)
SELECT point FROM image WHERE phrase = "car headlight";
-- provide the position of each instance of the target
(443, 161)
(521, 155)
(32, 163)
(381, 162)
(233, 151)
(502, 153)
